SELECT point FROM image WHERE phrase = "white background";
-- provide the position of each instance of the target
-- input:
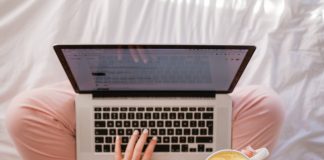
(289, 35)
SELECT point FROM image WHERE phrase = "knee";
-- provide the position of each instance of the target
(265, 102)
(20, 111)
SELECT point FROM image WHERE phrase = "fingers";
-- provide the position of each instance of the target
(150, 149)
(118, 154)
(130, 146)
(139, 145)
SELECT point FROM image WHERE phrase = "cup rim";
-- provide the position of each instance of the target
(227, 150)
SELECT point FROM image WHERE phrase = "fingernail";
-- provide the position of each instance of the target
(154, 138)
(145, 131)
(117, 138)
(135, 132)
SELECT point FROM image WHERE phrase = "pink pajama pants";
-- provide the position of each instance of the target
(41, 122)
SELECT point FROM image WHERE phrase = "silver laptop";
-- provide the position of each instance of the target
(178, 92)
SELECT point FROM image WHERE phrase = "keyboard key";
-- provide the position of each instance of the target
(209, 150)
(158, 108)
(183, 140)
(99, 140)
(123, 109)
(208, 116)
(113, 147)
(114, 115)
(173, 115)
(131, 116)
(159, 139)
(124, 139)
(167, 109)
(161, 131)
(132, 109)
(195, 131)
(100, 124)
(180, 115)
(143, 124)
(139, 116)
(106, 109)
(120, 132)
(201, 148)
(188, 115)
(106, 148)
(110, 123)
(201, 109)
(164, 115)
(147, 116)
(118, 123)
(210, 109)
(122, 115)
(166, 139)
(108, 140)
(185, 123)
(135, 124)
(162, 148)
(98, 148)
(149, 109)
(101, 132)
(151, 123)
(129, 132)
(184, 109)
(170, 132)
(97, 116)
(174, 140)
(192, 109)
(156, 116)
(191, 139)
(193, 123)
(204, 139)
(186, 131)
(176, 124)
(112, 132)
(123, 147)
(154, 132)
(175, 148)
(197, 115)
(105, 116)
(175, 109)
(168, 123)
(192, 149)
(203, 131)
(115, 109)
(178, 131)
(201, 123)
(127, 124)
(184, 148)
(97, 109)
(148, 139)
(160, 123)
(140, 109)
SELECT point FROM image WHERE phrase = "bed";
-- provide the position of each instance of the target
(289, 35)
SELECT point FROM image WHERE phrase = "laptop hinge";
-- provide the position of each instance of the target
(154, 94)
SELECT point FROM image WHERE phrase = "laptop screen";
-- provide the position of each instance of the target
(154, 67)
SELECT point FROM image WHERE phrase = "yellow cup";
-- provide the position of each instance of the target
(228, 155)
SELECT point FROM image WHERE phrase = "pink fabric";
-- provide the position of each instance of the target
(41, 122)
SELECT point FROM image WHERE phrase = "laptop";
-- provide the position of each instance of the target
(178, 92)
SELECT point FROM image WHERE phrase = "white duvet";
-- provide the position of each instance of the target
(289, 35)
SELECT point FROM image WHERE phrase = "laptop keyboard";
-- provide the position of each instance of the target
(178, 129)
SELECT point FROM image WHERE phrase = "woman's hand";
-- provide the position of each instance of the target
(135, 146)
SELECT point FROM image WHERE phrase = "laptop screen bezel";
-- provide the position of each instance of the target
(58, 49)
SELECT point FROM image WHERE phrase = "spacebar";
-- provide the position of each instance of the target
(162, 148)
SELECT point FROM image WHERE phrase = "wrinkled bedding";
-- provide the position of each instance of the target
(289, 35)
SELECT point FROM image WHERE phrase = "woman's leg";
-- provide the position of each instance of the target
(257, 117)
(41, 123)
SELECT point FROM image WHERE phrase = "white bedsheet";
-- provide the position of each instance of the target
(289, 35)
